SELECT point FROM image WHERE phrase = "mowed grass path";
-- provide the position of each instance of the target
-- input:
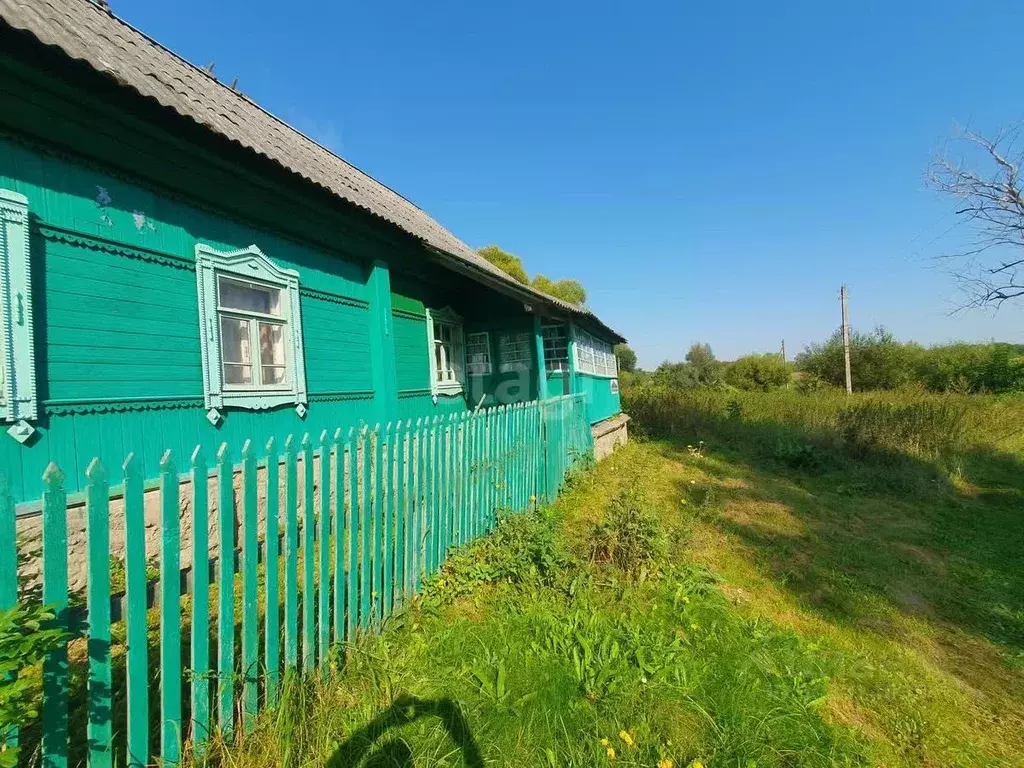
(787, 617)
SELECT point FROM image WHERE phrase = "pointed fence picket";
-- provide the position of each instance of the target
(374, 519)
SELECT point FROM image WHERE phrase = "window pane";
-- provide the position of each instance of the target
(249, 297)
(237, 374)
(273, 374)
(272, 362)
(234, 340)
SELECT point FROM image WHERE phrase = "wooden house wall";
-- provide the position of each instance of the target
(120, 193)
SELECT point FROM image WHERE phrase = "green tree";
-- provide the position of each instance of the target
(758, 372)
(626, 357)
(701, 369)
(507, 262)
(877, 360)
(567, 289)
(707, 370)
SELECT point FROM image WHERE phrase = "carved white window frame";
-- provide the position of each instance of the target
(447, 317)
(18, 402)
(252, 265)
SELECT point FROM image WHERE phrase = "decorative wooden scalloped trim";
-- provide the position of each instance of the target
(330, 397)
(73, 237)
(408, 393)
(334, 298)
(409, 314)
(67, 407)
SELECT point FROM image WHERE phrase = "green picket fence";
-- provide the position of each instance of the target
(392, 502)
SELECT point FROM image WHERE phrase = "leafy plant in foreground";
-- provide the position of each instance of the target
(629, 535)
(25, 640)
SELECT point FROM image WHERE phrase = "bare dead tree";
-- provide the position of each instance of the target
(986, 183)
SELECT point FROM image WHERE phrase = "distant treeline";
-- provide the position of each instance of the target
(878, 361)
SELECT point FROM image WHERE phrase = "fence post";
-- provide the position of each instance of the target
(352, 590)
(136, 651)
(324, 548)
(365, 524)
(385, 497)
(308, 571)
(226, 591)
(291, 557)
(170, 613)
(339, 537)
(200, 603)
(97, 521)
(250, 609)
(55, 595)
(271, 618)
(401, 511)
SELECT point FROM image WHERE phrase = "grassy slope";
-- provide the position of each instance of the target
(804, 612)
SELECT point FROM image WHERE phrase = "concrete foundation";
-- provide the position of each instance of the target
(609, 434)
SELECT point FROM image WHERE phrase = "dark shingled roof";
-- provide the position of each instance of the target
(87, 32)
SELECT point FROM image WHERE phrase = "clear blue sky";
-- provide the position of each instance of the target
(710, 171)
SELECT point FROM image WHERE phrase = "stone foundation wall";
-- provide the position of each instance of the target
(29, 527)
(609, 434)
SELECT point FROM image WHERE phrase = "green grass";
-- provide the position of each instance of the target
(820, 582)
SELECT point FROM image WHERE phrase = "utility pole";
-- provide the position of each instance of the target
(846, 338)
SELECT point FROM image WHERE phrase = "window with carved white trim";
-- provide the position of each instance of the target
(556, 347)
(514, 351)
(17, 350)
(252, 331)
(478, 353)
(447, 351)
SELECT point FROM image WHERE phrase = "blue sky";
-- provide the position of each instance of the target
(710, 171)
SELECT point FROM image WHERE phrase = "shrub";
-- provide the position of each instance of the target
(25, 640)
(758, 372)
(629, 535)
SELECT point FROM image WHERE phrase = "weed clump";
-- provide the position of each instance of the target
(524, 547)
(629, 535)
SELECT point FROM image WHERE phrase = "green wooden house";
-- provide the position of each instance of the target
(180, 267)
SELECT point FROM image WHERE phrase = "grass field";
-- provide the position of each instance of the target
(765, 580)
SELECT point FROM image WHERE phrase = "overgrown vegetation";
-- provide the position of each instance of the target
(779, 580)
(880, 361)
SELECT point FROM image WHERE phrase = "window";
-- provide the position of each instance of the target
(17, 351)
(252, 332)
(447, 358)
(478, 354)
(556, 347)
(595, 356)
(514, 351)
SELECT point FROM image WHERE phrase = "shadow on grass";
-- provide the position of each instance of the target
(862, 534)
(370, 743)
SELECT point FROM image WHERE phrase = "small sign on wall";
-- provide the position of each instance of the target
(615, 386)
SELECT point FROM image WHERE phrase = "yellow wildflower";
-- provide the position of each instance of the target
(611, 753)
(666, 763)
(696, 764)
(604, 742)
(627, 739)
